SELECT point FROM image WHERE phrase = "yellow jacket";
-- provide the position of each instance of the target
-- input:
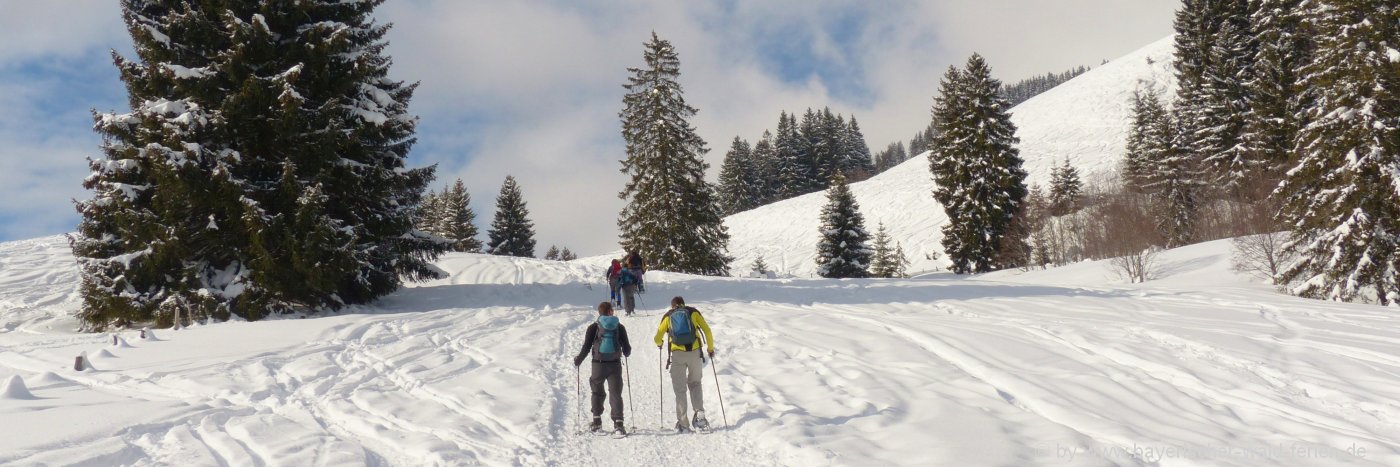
(702, 332)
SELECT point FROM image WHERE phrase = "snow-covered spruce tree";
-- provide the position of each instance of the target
(901, 262)
(739, 183)
(1175, 183)
(261, 169)
(1276, 102)
(1342, 198)
(766, 169)
(1066, 190)
(552, 253)
(976, 167)
(426, 216)
(842, 250)
(1227, 104)
(456, 220)
(881, 263)
(512, 233)
(1136, 168)
(672, 216)
(812, 153)
(787, 156)
(857, 158)
(759, 267)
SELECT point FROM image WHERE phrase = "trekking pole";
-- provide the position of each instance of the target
(631, 412)
(578, 393)
(718, 392)
(661, 388)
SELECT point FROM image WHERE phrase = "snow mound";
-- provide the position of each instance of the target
(103, 354)
(1084, 119)
(15, 389)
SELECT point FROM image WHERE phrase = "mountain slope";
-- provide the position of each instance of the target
(1084, 119)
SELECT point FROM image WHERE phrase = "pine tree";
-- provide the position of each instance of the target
(883, 262)
(1143, 141)
(976, 167)
(261, 169)
(1276, 102)
(512, 233)
(739, 182)
(901, 262)
(552, 253)
(567, 255)
(842, 251)
(1175, 182)
(759, 267)
(672, 216)
(456, 220)
(426, 216)
(858, 160)
(813, 155)
(1218, 138)
(791, 169)
(1342, 197)
(766, 166)
(1065, 189)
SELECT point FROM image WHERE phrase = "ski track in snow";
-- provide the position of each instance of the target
(1007, 368)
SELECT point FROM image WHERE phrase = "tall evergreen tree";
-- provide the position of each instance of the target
(842, 250)
(882, 263)
(552, 253)
(788, 158)
(893, 155)
(857, 159)
(261, 169)
(1175, 183)
(1227, 103)
(1066, 190)
(900, 262)
(428, 213)
(740, 187)
(1146, 140)
(976, 167)
(813, 153)
(456, 220)
(512, 233)
(1342, 198)
(672, 216)
(567, 255)
(1276, 101)
(765, 163)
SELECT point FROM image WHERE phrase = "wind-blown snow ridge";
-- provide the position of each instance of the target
(1084, 119)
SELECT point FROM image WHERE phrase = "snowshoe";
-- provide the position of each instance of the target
(681, 427)
(700, 423)
(596, 424)
(618, 430)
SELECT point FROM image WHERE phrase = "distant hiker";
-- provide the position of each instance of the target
(685, 328)
(638, 267)
(613, 272)
(627, 283)
(606, 340)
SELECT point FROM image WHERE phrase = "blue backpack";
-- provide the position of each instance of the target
(607, 349)
(626, 278)
(682, 329)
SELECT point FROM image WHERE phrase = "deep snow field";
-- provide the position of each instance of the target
(1063, 366)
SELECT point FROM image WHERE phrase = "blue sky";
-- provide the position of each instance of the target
(532, 88)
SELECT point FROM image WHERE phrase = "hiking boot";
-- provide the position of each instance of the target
(596, 424)
(617, 427)
(681, 427)
(700, 422)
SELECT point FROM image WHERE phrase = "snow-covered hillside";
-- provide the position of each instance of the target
(1044, 367)
(1084, 120)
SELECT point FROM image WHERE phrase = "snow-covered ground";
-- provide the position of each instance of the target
(1068, 365)
(1084, 120)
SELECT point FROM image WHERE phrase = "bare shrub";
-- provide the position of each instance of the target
(1127, 232)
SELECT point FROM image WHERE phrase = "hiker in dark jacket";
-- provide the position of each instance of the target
(627, 283)
(638, 266)
(606, 340)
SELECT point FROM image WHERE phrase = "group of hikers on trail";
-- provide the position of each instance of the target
(625, 281)
(683, 329)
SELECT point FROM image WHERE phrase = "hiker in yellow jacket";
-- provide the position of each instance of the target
(686, 329)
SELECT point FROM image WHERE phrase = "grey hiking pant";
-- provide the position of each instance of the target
(611, 372)
(629, 298)
(686, 373)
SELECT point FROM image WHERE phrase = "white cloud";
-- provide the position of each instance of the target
(532, 88)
